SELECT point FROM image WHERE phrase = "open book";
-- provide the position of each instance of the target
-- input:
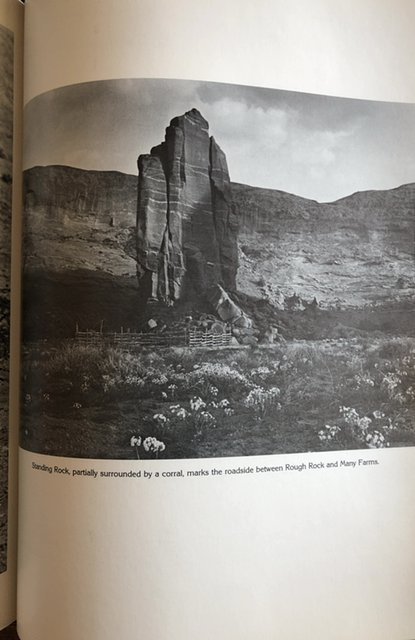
(213, 394)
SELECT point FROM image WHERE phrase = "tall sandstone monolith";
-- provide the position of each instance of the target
(186, 223)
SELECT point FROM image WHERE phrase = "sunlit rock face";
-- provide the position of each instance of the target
(186, 223)
(352, 253)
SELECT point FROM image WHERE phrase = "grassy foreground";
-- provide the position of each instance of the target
(301, 396)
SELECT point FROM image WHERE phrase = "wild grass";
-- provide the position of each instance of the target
(299, 396)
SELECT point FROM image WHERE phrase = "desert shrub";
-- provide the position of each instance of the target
(392, 350)
(181, 358)
(229, 378)
(76, 370)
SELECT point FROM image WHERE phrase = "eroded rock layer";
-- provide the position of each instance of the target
(186, 224)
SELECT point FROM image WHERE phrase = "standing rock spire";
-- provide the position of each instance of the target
(186, 223)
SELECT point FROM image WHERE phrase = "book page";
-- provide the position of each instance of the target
(217, 434)
(10, 185)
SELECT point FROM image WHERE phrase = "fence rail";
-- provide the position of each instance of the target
(170, 338)
(209, 339)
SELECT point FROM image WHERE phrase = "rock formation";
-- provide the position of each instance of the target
(186, 223)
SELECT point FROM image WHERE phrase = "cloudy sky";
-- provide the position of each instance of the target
(314, 146)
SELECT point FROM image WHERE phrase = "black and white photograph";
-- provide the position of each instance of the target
(6, 150)
(216, 270)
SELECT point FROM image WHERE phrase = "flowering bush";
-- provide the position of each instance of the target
(390, 382)
(360, 428)
(329, 433)
(153, 445)
(179, 411)
(220, 375)
(150, 445)
(376, 440)
(196, 404)
(261, 400)
(161, 418)
(363, 380)
(172, 388)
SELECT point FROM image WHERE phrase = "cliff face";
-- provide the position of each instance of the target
(107, 196)
(350, 253)
(79, 250)
(186, 224)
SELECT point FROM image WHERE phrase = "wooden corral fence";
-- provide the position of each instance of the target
(89, 337)
(186, 337)
(198, 338)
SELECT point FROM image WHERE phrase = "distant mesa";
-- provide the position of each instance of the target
(187, 226)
